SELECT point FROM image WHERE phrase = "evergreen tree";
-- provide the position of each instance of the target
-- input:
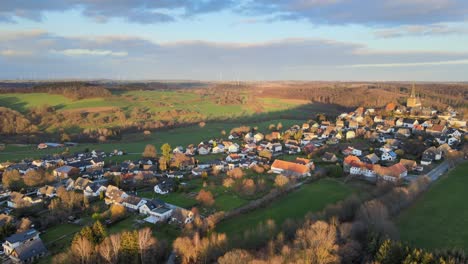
(129, 247)
(99, 232)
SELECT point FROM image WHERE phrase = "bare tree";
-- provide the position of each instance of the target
(146, 242)
(83, 249)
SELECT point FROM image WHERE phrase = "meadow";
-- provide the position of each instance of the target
(134, 144)
(439, 218)
(310, 197)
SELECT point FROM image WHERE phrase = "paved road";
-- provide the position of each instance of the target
(438, 171)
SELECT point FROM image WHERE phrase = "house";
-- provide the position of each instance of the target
(233, 148)
(47, 191)
(94, 190)
(204, 150)
(393, 173)
(82, 183)
(290, 168)
(165, 187)
(371, 158)
(431, 154)
(329, 157)
(350, 134)
(133, 203)
(275, 147)
(306, 162)
(353, 124)
(83, 165)
(452, 141)
(114, 195)
(178, 149)
(258, 137)
(218, 149)
(404, 132)
(156, 210)
(352, 151)
(436, 130)
(65, 171)
(410, 165)
(388, 156)
(182, 216)
(407, 122)
(349, 162)
(19, 200)
(233, 158)
(24, 247)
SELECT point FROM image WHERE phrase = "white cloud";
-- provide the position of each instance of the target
(90, 52)
(408, 64)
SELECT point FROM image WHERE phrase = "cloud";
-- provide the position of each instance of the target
(136, 11)
(366, 12)
(410, 64)
(138, 58)
(88, 52)
(14, 53)
(420, 30)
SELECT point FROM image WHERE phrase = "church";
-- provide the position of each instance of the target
(413, 101)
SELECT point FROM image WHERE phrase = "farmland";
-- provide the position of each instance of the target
(439, 219)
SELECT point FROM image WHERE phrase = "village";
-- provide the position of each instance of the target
(395, 144)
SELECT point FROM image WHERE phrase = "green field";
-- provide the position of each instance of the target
(311, 197)
(439, 219)
(135, 143)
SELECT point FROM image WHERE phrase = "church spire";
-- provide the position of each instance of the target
(413, 92)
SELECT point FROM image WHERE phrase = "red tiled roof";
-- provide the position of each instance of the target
(349, 159)
(290, 166)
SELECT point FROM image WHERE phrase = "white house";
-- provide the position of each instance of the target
(388, 156)
(133, 202)
(203, 150)
(233, 148)
(94, 190)
(156, 210)
(218, 149)
(24, 247)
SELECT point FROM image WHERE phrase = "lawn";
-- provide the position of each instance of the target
(439, 218)
(57, 232)
(175, 198)
(311, 197)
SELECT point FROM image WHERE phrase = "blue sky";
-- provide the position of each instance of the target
(376, 40)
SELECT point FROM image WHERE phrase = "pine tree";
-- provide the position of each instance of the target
(99, 232)
(129, 247)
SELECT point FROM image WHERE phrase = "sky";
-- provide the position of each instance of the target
(332, 40)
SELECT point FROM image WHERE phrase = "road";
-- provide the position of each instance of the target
(438, 171)
(434, 174)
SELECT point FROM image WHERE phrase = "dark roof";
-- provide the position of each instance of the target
(95, 186)
(155, 203)
(134, 200)
(20, 237)
(30, 249)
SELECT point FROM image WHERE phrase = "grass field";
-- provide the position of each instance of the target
(439, 219)
(135, 143)
(309, 198)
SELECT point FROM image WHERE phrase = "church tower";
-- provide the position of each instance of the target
(413, 100)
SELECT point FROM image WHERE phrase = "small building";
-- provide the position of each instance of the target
(389, 156)
(329, 157)
(290, 168)
(133, 203)
(65, 171)
(156, 210)
(25, 247)
(164, 187)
